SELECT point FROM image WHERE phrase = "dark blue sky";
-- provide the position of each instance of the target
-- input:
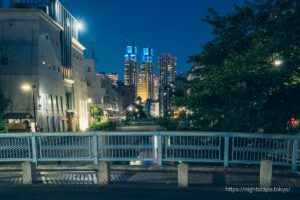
(165, 25)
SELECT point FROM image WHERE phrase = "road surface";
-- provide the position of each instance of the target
(130, 193)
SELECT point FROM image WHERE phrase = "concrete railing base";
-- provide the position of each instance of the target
(29, 173)
(183, 175)
(104, 173)
(265, 175)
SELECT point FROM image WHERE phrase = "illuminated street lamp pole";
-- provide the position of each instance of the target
(27, 88)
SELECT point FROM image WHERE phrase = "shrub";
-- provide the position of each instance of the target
(104, 126)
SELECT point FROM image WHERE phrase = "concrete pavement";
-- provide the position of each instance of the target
(118, 177)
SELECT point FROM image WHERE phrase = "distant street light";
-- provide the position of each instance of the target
(130, 109)
(27, 88)
(278, 62)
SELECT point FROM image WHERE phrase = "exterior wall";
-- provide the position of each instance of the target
(109, 96)
(31, 54)
(114, 77)
(154, 112)
(31, 42)
(101, 90)
(80, 85)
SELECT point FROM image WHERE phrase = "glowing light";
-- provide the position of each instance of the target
(80, 26)
(294, 122)
(278, 62)
(130, 109)
(69, 81)
(26, 87)
(90, 100)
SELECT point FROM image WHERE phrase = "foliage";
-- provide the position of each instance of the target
(236, 86)
(167, 123)
(103, 126)
(3, 105)
(136, 113)
(96, 113)
(3, 126)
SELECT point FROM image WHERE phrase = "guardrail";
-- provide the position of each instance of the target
(157, 147)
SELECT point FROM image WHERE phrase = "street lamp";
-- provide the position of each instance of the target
(90, 100)
(26, 88)
(80, 26)
(278, 62)
(130, 109)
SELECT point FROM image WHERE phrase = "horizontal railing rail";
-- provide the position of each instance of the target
(157, 147)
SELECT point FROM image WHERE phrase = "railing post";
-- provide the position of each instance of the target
(95, 147)
(226, 151)
(159, 150)
(33, 145)
(295, 155)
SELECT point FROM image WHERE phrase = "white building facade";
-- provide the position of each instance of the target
(39, 49)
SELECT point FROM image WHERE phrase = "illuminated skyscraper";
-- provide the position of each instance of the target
(131, 68)
(143, 87)
(145, 77)
(167, 72)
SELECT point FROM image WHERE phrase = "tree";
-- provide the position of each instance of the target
(96, 113)
(248, 77)
(3, 105)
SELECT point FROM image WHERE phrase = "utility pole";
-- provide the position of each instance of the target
(93, 49)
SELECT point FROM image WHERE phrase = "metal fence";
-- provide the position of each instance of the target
(157, 147)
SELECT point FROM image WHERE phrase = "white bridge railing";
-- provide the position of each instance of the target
(157, 147)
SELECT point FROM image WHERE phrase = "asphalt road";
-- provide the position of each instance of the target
(130, 193)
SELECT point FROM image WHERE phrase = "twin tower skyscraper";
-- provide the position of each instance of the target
(141, 81)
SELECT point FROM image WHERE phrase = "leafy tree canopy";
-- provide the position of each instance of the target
(239, 82)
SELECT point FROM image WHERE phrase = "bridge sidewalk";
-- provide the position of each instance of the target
(199, 176)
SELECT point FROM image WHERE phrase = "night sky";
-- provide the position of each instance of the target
(173, 26)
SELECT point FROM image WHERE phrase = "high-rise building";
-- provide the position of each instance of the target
(146, 75)
(155, 88)
(131, 68)
(167, 72)
(142, 88)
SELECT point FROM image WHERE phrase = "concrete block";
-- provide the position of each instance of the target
(104, 173)
(265, 175)
(183, 175)
(29, 173)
